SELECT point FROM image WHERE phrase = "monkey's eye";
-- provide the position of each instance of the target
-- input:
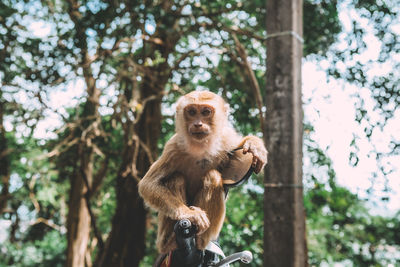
(206, 112)
(191, 111)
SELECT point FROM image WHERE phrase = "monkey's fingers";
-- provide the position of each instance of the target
(202, 228)
(256, 157)
(202, 223)
(259, 159)
(259, 166)
(258, 162)
(200, 219)
(246, 147)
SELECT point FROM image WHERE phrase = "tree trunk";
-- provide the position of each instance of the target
(78, 223)
(79, 217)
(125, 245)
(284, 229)
(4, 161)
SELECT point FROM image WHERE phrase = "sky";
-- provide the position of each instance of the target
(330, 109)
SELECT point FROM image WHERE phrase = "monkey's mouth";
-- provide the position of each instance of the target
(199, 135)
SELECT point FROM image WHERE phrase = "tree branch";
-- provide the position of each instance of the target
(251, 77)
(91, 214)
(59, 228)
(99, 176)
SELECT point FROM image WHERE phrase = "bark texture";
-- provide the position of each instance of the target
(284, 230)
(4, 162)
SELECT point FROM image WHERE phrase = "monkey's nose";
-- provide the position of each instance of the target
(198, 124)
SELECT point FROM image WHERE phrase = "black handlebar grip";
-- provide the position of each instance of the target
(183, 228)
(187, 254)
(185, 223)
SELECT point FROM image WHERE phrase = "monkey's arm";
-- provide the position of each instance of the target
(164, 190)
(157, 189)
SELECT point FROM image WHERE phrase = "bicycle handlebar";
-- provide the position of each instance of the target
(245, 256)
(188, 255)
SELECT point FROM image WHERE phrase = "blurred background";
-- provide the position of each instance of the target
(86, 105)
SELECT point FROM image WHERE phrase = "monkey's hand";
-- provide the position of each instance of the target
(198, 217)
(255, 146)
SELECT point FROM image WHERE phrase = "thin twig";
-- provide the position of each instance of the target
(49, 223)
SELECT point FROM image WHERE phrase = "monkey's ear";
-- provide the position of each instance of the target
(227, 109)
(179, 105)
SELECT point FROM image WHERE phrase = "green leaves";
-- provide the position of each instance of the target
(244, 223)
(48, 252)
(321, 26)
(340, 226)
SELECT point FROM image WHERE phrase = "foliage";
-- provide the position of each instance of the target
(340, 227)
(321, 26)
(49, 251)
(244, 224)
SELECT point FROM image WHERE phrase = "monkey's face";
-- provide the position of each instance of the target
(199, 120)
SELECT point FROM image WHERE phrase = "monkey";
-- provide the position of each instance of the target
(186, 181)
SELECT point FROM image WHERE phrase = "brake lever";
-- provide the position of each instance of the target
(245, 256)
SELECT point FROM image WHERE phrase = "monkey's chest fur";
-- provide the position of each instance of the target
(200, 173)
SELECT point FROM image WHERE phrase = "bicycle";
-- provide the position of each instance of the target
(187, 254)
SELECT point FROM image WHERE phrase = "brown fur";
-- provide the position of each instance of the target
(184, 182)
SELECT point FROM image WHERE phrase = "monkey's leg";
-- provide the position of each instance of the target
(165, 235)
(211, 198)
